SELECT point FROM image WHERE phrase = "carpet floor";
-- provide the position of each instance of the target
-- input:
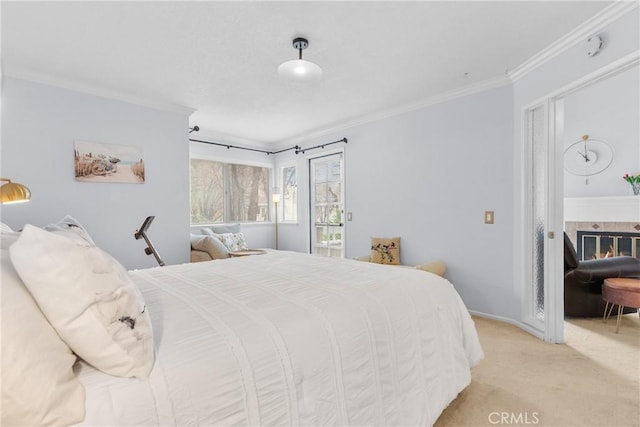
(593, 379)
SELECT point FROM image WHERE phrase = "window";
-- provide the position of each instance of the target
(207, 192)
(289, 194)
(226, 192)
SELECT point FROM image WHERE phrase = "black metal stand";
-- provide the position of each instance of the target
(142, 232)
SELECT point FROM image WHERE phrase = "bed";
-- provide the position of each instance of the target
(291, 339)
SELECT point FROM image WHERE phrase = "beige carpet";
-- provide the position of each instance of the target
(591, 380)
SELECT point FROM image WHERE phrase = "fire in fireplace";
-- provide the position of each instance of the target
(606, 244)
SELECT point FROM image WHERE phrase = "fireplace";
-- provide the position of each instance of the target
(606, 244)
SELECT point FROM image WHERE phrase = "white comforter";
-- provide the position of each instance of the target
(293, 339)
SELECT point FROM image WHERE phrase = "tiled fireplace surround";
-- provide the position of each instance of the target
(614, 213)
(572, 228)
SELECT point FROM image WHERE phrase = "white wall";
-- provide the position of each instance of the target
(39, 126)
(428, 176)
(607, 111)
(257, 235)
(602, 209)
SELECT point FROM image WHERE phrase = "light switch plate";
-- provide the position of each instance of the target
(488, 217)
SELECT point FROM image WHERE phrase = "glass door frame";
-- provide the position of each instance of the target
(551, 326)
(311, 178)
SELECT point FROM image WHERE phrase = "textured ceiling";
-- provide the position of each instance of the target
(220, 58)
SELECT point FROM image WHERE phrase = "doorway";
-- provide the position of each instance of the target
(326, 189)
(544, 134)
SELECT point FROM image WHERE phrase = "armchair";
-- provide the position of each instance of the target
(583, 280)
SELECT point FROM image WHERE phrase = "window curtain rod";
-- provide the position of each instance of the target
(295, 147)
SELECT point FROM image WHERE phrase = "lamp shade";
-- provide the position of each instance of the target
(300, 70)
(275, 194)
(12, 192)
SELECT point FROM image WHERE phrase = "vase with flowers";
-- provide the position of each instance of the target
(634, 180)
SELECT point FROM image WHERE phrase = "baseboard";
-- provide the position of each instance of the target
(516, 323)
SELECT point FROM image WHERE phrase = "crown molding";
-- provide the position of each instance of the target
(102, 92)
(379, 115)
(577, 35)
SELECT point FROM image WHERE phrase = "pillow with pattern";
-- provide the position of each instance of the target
(233, 241)
(385, 250)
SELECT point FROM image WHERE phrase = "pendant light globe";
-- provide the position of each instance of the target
(299, 69)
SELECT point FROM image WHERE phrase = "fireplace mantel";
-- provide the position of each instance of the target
(602, 209)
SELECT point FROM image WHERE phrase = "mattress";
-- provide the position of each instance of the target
(292, 339)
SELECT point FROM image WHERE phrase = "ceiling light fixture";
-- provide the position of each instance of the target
(299, 69)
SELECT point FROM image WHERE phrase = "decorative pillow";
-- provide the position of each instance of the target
(220, 229)
(89, 299)
(211, 245)
(206, 231)
(4, 228)
(223, 229)
(38, 383)
(70, 227)
(233, 241)
(385, 251)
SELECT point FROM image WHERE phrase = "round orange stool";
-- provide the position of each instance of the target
(624, 292)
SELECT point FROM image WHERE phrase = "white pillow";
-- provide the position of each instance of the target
(233, 241)
(70, 227)
(4, 228)
(38, 383)
(89, 299)
(209, 244)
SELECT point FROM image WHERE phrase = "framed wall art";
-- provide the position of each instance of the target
(98, 162)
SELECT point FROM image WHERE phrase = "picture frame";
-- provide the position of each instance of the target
(108, 163)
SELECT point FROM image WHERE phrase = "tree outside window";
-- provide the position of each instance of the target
(289, 194)
(225, 192)
(207, 192)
